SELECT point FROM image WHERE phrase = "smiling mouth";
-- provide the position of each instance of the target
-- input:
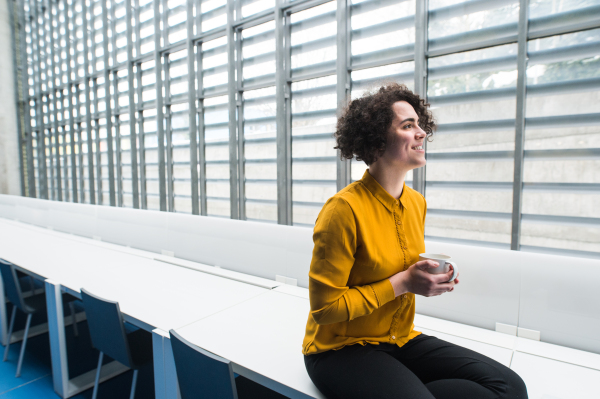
(419, 147)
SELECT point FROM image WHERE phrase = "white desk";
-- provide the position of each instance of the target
(152, 295)
(263, 338)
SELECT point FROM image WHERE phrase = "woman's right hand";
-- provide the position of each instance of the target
(417, 280)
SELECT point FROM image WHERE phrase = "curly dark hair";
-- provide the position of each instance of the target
(362, 128)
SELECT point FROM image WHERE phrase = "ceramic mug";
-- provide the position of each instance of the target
(444, 264)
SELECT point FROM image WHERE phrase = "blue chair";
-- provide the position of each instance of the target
(109, 337)
(29, 305)
(204, 374)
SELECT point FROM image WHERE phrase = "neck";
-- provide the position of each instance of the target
(391, 178)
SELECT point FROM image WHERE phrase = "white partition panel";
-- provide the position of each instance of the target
(8, 206)
(141, 229)
(299, 247)
(247, 247)
(33, 211)
(69, 217)
(488, 291)
(559, 298)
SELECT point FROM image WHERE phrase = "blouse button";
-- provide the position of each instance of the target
(393, 337)
(398, 222)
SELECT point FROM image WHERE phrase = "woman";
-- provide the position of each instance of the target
(360, 340)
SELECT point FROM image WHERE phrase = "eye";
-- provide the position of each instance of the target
(407, 126)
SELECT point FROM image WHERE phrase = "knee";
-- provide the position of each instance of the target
(514, 385)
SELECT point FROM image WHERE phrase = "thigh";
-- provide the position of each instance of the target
(363, 372)
(436, 363)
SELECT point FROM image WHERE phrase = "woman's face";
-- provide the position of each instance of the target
(405, 139)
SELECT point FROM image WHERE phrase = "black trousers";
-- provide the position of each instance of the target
(424, 368)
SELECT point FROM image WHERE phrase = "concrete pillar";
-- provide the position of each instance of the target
(9, 149)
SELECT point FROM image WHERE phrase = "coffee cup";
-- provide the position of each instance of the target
(444, 264)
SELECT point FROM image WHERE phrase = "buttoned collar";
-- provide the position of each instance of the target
(383, 196)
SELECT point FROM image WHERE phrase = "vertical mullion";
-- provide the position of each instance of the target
(169, 133)
(25, 111)
(283, 197)
(287, 72)
(240, 121)
(46, 20)
(192, 106)
(343, 83)
(55, 93)
(69, 85)
(98, 146)
(116, 120)
(49, 74)
(421, 43)
(88, 101)
(231, 91)
(107, 107)
(201, 141)
(140, 113)
(515, 242)
(80, 150)
(162, 187)
(131, 107)
(15, 24)
(118, 139)
(200, 115)
(39, 107)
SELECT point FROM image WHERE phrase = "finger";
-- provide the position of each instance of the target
(441, 279)
(426, 264)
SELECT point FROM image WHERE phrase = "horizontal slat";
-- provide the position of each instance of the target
(569, 53)
(473, 96)
(390, 55)
(557, 23)
(312, 22)
(468, 7)
(393, 25)
(488, 65)
(485, 37)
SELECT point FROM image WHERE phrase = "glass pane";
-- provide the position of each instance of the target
(176, 20)
(313, 40)
(251, 7)
(213, 14)
(470, 158)
(313, 156)
(216, 136)
(457, 23)
(561, 187)
(382, 30)
(260, 155)
(258, 54)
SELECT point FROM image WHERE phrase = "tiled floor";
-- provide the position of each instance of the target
(36, 375)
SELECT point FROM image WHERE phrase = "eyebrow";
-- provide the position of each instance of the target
(408, 120)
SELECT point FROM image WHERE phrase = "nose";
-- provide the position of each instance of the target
(420, 133)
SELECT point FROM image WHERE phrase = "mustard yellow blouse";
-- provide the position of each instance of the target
(363, 236)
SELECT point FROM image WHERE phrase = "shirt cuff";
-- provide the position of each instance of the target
(383, 291)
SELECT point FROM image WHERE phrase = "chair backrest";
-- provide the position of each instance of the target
(201, 373)
(12, 288)
(106, 327)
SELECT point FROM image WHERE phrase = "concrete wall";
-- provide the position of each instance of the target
(9, 154)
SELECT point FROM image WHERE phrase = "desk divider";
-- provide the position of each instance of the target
(547, 293)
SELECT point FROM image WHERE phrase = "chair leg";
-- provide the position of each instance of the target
(133, 384)
(32, 285)
(74, 319)
(96, 382)
(10, 331)
(23, 345)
